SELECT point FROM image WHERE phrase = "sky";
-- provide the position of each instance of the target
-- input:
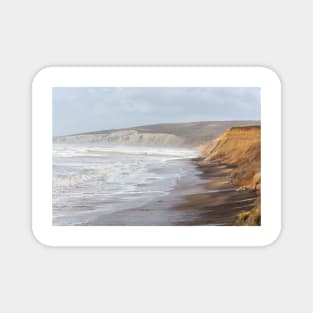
(84, 109)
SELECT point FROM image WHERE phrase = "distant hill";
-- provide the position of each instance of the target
(167, 134)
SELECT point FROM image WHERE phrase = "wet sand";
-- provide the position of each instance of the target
(222, 201)
(210, 200)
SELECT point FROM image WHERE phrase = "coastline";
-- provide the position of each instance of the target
(240, 149)
(210, 199)
(222, 201)
(222, 186)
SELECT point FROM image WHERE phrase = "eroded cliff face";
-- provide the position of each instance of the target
(240, 148)
(124, 137)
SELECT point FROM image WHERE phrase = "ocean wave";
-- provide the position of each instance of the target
(61, 150)
(88, 178)
(71, 180)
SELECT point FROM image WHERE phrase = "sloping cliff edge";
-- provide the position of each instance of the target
(239, 148)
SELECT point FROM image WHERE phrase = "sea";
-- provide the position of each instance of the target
(92, 180)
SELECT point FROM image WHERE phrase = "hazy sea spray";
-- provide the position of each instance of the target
(90, 180)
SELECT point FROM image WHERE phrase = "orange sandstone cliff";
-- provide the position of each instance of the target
(240, 149)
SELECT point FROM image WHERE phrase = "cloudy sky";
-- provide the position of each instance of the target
(80, 109)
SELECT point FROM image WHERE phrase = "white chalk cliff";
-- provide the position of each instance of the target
(125, 137)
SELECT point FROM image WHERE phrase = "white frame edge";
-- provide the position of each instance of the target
(50, 235)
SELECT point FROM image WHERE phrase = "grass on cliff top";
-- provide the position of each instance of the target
(250, 218)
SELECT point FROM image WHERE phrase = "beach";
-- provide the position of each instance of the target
(141, 186)
(211, 199)
(104, 184)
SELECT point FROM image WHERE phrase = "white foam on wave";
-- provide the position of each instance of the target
(64, 150)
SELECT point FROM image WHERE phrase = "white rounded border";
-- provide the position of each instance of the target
(51, 77)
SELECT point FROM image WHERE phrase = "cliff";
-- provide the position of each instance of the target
(189, 134)
(240, 149)
(124, 137)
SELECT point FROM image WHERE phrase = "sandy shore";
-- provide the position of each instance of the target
(208, 199)
(221, 202)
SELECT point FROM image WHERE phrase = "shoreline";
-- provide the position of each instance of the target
(222, 201)
(210, 199)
